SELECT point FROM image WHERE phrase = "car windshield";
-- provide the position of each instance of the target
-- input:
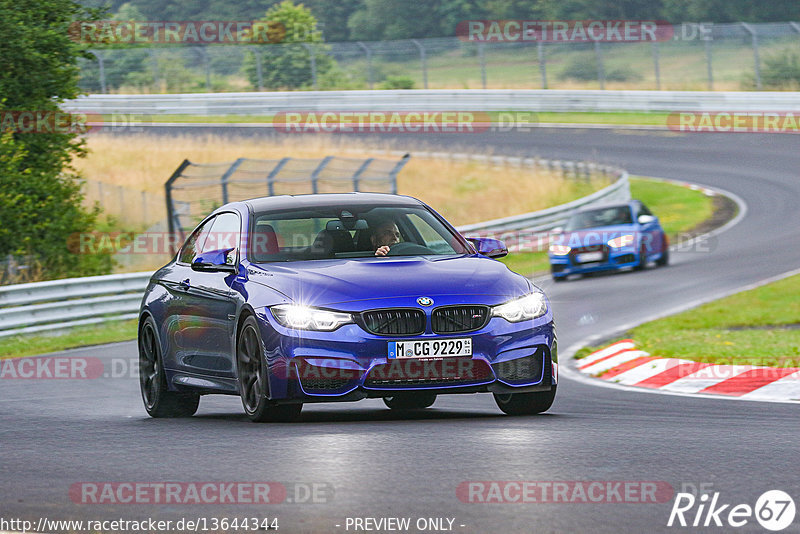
(341, 231)
(600, 217)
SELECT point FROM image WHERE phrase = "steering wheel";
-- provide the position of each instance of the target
(404, 248)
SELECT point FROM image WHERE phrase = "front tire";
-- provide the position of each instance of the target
(410, 401)
(525, 403)
(253, 379)
(663, 261)
(158, 400)
(642, 259)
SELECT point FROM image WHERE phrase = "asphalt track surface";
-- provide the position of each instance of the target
(59, 432)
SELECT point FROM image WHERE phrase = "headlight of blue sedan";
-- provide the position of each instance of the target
(522, 309)
(307, 318)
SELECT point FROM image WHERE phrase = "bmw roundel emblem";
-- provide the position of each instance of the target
(424, 301)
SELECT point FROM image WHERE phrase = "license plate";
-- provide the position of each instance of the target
(588, 257)
(430, 348)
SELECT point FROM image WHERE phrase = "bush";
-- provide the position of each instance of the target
(781, 71)
(397, 82)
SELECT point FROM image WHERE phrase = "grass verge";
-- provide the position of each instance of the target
(81, 336)
(679, 209)
(756, 327)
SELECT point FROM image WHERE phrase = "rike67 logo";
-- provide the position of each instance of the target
(774, 510)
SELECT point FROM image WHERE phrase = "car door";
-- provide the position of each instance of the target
(211, 314)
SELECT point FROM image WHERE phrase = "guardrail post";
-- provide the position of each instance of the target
(273, 173)
(366, 49)
(223, 180)
(397, 168)
(542, 63)
(171, 214)
(756, 59)
(360, 171)
(423, 60)
(316, 173)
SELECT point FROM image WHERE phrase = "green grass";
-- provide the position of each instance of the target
(31, 345)
(678, 208)
(756, 327)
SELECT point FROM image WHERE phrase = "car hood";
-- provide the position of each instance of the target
(328, 282)
(593, 236)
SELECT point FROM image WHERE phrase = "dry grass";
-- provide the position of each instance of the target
(464, 192)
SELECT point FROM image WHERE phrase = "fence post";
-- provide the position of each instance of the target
(101, 65)
(316, 173)
(259, 73)
(154, 58)
(601, 71)
(273, 173)
(709, 65)
(397, 168)
(756, 59)
(424, 61)
(313, 64)
(171, 215)
(360, 171)
(482, 57)
(223, 180)
(656, 66)
(542, 63)
(367, 50)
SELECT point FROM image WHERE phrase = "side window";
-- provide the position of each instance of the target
(643, 210)
(195, 243)
(224, 234)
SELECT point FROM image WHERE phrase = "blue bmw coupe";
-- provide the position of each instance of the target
(608, 238)
(289, 300)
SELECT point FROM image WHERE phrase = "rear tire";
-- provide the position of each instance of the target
(158, 400)
(253, 379)
(410, 401)
(525, 403)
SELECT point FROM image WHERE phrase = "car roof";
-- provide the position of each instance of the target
(327, 199)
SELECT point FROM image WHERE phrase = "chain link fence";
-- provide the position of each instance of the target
(698, 57)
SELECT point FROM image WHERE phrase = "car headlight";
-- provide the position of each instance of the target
(522, 309)
(559, 250)
(307, 318)
(621, 241)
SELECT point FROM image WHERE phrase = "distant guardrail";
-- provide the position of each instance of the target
(269, 103)
(60, 304)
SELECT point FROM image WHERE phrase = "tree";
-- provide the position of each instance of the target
(40, 192)
(287, 64)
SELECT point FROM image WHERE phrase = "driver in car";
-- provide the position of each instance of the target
(384, 236)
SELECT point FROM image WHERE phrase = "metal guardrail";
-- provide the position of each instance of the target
(61, 304)
(433, 100)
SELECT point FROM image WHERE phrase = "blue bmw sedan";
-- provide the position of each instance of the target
(289, 300)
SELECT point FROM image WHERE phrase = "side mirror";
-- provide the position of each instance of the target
(493, 248)
(214, 261)
(646, 219)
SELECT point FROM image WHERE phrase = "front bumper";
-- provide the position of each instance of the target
(613, 259)
(352, 364)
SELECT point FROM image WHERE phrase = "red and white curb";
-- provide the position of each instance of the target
(621, 363)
